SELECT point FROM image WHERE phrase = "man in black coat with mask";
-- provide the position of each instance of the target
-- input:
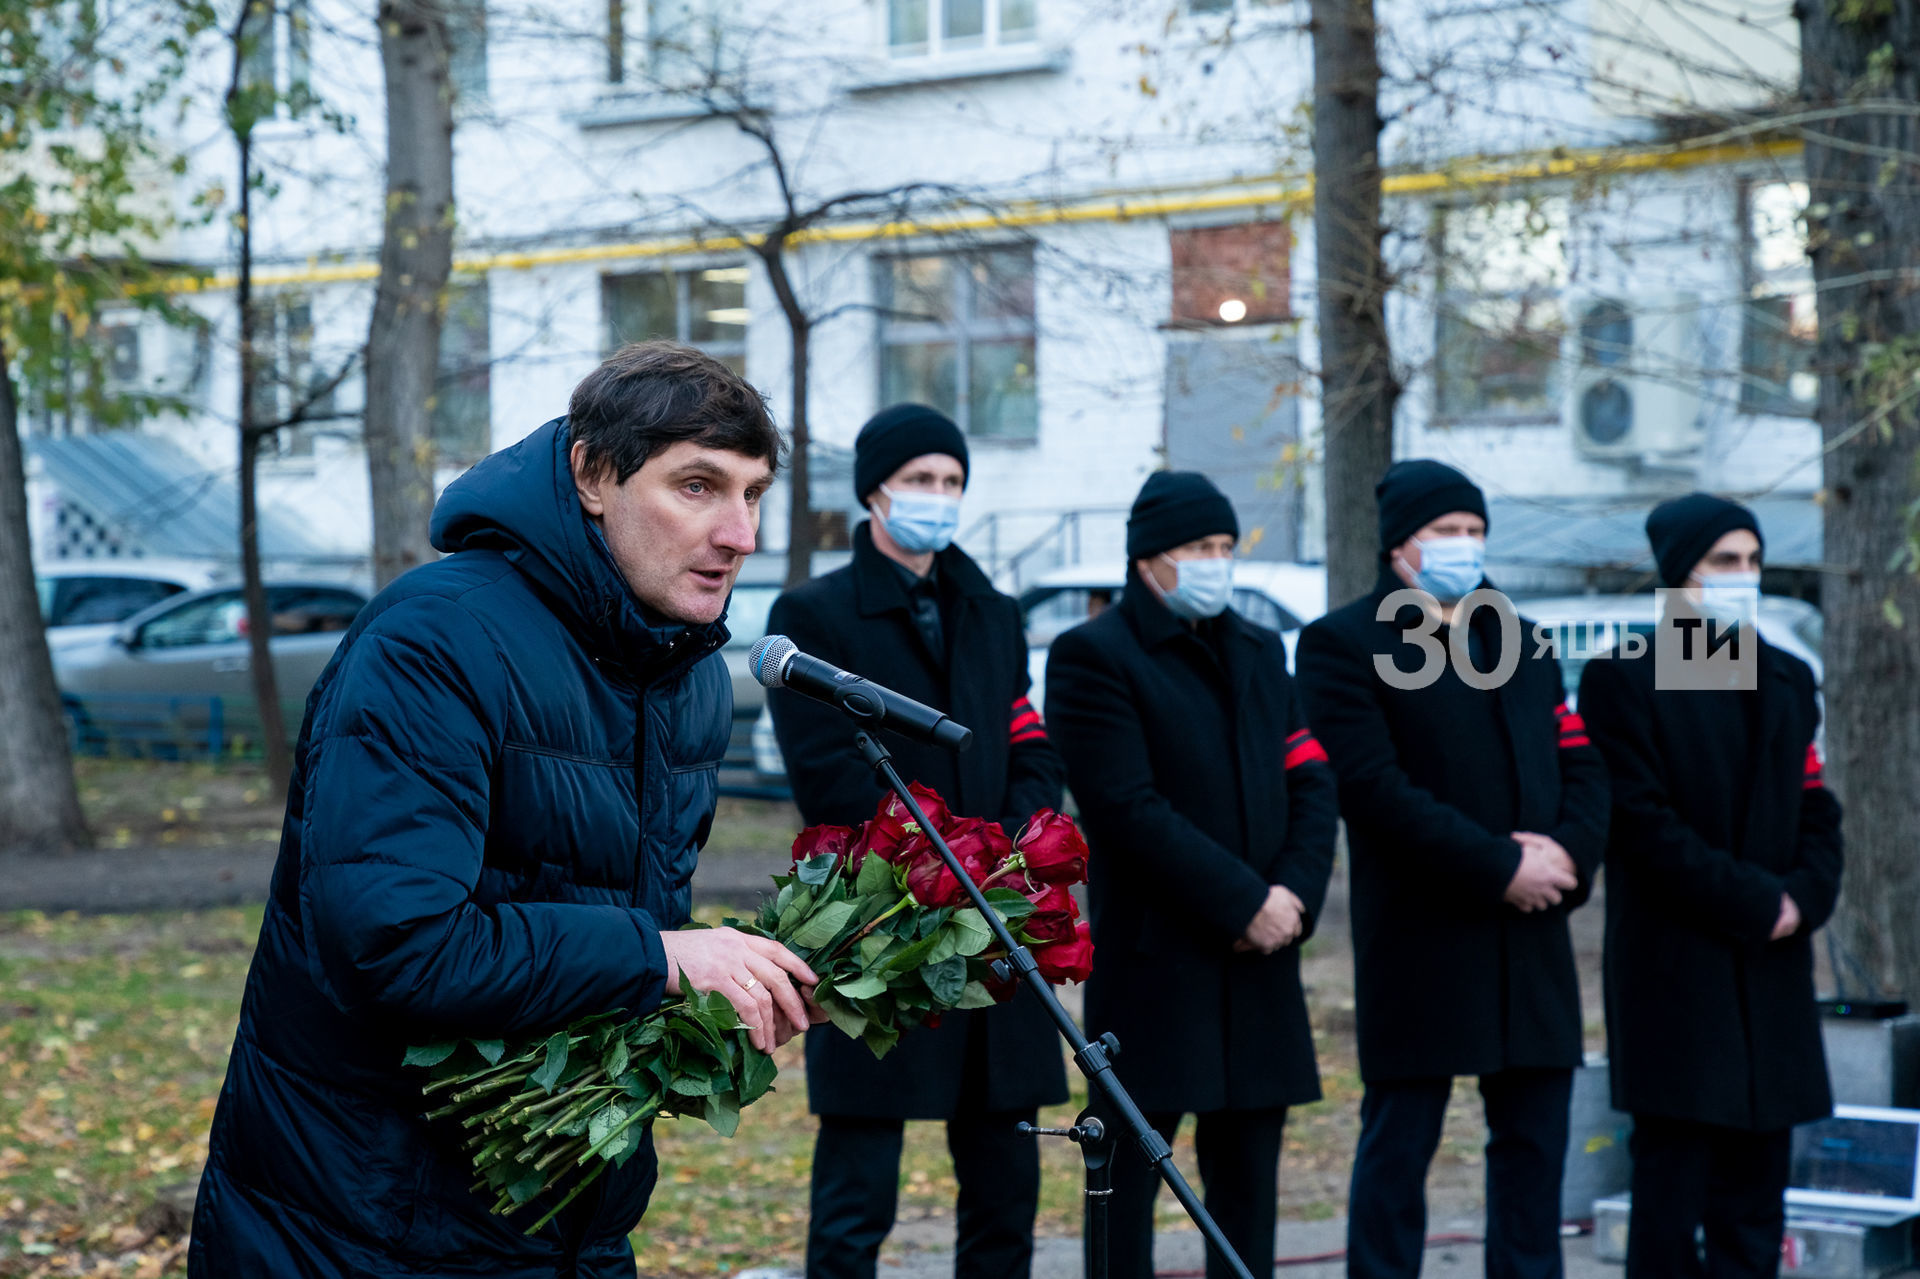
(1476, 816)
(1724, 858)
(1210, 813)
(914, 613)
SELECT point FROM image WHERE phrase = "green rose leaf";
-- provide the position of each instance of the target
(693, 1086)
(872, 946)
(850, 1020)
(1008, 904)
(945, 946)
(723, 1113)
(876, 876)
(621, 1148)
(605, 1120)
(880, 1040)
(527, 1187)
(863, 988)
(911, 957)
(970, 931)
(975, 995)
(491, 1049)
(431, 1054)
(824, 926)
(549, 1074)
(616, 1059)
(757, 1076)
(946, 979)
(816, 871)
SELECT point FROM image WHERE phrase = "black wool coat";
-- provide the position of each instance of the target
(858, 618)
(1199, 788)
(1707, 1019)
(1449, 979)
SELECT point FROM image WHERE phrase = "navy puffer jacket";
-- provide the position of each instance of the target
(503, 782)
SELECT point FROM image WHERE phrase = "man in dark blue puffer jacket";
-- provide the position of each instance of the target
(503, 782)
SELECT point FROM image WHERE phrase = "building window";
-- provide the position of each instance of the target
(286, 381)
(463, 390)
(1502, 266)
(957, 332)
(1779, 322)
(467, 49)
(920, 28)
(705, 307)
(1232, 274)
(271, 32)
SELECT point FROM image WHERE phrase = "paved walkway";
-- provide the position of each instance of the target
(1305, 1249)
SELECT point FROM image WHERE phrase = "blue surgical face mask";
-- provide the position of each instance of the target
(1204, 587)
(921, 523)
(1728, 598)
(1451, 566)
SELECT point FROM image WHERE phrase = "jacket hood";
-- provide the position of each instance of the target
(521, 503)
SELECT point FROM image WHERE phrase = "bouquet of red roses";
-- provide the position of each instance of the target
(878, 916)
(875, 913)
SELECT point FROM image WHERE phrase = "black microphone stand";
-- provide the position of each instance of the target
(1095, 1059)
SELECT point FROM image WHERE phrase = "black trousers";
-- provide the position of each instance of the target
(1723, 1183)
(1239, 1156)
(856, 1190)
(1526, 1154)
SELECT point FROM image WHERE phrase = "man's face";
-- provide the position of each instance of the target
(680, 526)
(1452, 524)
(1217, 547)
(1735, 552)
(939, 473)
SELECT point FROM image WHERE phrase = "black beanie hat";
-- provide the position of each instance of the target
(1174, 508)
(1684, 529)
(895, 436)
(1415, 493)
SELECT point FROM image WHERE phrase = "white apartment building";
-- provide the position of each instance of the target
(1092, 243)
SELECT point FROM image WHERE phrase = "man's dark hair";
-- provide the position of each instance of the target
(649, 396)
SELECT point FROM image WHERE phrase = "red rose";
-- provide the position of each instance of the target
(1067, 960)
(887, 833)
(841, 841)
(929, 880)
(980, 845)
(1054, 849)
(1053, 915)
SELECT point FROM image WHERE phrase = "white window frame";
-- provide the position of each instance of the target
(682, 274)
(937, 45)
(963, 336)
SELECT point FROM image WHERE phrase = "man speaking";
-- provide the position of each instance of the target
(914, 613)
(500, 791)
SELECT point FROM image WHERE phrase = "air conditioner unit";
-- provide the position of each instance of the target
(1635, 388)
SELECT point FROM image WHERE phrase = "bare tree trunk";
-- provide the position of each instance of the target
(416, 257)
(1864, 236)
(39, 806)
(803, 529)
(1358, 389)
(266, 684)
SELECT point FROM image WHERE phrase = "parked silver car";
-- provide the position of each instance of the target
(84, 600)
(179, 672)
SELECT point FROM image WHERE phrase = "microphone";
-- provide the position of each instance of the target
(777, 663)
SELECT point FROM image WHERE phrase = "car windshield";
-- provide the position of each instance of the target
(90, 601)
(1064, 610)
(211, 619)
